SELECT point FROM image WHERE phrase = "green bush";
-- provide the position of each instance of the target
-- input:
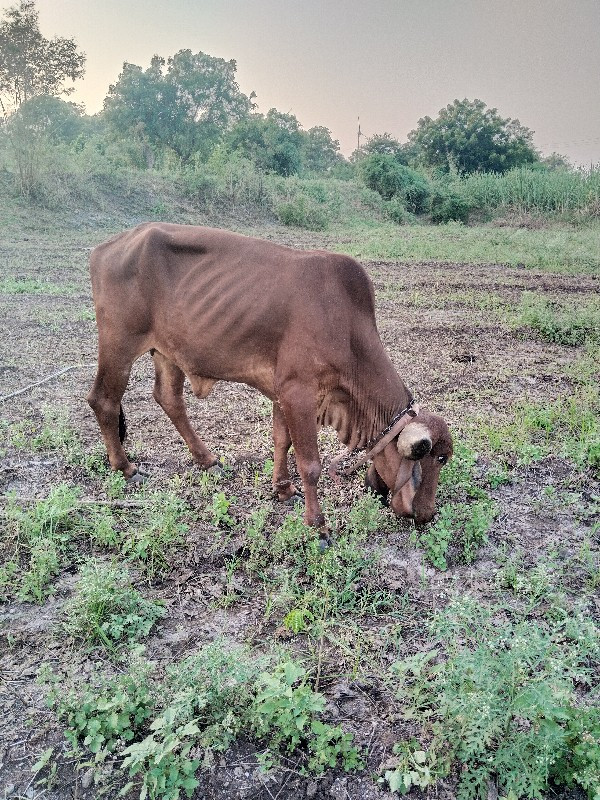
(396, 211)
(448, 206)
(387, 176)
(303, 212)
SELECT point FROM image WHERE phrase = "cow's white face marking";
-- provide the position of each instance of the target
(414, 434)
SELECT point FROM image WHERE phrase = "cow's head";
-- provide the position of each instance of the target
(407, 470)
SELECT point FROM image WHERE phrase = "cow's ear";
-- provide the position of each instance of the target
(415, 441)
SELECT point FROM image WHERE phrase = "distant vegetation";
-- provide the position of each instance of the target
(184, 120)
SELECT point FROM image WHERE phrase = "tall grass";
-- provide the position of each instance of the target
(530, 190)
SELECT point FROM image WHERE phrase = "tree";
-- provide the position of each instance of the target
(320, 152)
(188, 108)
(56, 119)
(384, 144)
(30, 64)
(473, 138)
(273, 142)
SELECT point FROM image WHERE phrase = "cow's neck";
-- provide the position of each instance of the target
(364, 402)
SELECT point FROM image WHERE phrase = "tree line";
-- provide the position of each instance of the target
(190, 105)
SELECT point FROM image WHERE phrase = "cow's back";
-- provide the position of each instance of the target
(223, 304)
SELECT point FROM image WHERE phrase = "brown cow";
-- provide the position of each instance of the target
(297, 325)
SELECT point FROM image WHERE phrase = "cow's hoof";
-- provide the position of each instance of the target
(216, 469)
(324, 544)
(136, 479)
(295, 501)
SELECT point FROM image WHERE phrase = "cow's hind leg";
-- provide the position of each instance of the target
(105, 399)
(168, 393)
(283, 486)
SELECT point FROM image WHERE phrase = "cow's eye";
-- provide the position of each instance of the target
(442, 459)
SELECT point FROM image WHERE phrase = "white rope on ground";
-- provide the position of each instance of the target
(45, 380)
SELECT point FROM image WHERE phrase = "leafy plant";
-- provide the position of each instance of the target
(219, 512)
(203, 703)
(499, 697)
(284, 712)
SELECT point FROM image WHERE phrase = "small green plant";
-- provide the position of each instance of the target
(40, 537)
(572, 325)
(114, 485)
(56, 434)
(159, 530)
(413, 767)
(106, 609)
(284, 713)
(219, 512)
(12, 285)
(103, 716)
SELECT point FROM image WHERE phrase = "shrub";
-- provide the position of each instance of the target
(303, 212)
(396, 211)
(391, 179)
(447, 206)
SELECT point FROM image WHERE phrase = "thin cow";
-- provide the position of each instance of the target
(298, 325)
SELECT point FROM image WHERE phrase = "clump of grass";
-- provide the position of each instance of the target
(568, 427)
(465, 516)
(159, 530)
(11, 285)
(310, 582)
(39, 537)
(106, 609)
(573, 324)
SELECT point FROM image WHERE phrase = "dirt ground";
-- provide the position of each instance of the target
(441, 326)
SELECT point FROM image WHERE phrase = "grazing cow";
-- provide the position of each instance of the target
(298, 325)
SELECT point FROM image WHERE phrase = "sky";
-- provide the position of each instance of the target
(389, 62)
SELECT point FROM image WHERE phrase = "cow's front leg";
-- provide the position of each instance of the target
(299, 409)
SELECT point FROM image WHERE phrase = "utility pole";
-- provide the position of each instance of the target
(360, 133)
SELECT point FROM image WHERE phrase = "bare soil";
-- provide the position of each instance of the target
(460, 359)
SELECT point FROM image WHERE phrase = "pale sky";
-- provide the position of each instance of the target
(388, 61)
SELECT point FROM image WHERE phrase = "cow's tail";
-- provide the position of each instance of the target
(122, 425)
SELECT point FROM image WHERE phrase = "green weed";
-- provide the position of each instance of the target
(39, 537)
(465, 516)
(569, 427)
(218, 514)
(573, 324)
(502, 698)
(158, 531)
(106, 609)
(200, 706)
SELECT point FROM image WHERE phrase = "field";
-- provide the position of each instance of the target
(196, 618)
